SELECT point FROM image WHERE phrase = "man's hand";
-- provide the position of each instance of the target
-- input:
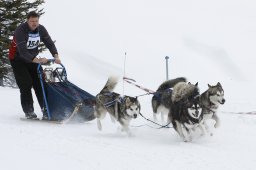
(40, 60)
(57, 59)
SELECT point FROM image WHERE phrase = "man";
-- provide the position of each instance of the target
(24, 61)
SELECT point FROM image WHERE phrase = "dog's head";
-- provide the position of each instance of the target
(216, 94)
(132, 106)
(194, 108)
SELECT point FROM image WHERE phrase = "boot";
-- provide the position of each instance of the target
(31, 115)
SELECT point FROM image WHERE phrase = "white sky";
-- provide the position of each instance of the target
(191, 32)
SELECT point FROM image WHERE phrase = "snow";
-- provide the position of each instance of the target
(207, 41)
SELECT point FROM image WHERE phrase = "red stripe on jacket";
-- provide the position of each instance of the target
(12, 49)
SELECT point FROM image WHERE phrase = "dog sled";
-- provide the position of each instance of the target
(64, 101)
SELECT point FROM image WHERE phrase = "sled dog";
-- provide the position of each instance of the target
(185, 113)
(210, 100)
(121, 109)
(162, 98)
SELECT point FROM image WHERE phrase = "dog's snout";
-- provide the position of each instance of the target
(135, 115)
(197, 112)
(223, 101)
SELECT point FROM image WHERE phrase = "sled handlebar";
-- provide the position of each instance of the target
(49, 62)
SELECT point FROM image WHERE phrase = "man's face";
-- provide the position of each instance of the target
(33, 23)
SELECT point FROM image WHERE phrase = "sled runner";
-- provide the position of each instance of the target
(40, 120)
(64, 101)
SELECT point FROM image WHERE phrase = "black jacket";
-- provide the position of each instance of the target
(24, 48)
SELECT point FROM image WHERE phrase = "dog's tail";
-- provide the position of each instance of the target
(171, 83)
(110, 85)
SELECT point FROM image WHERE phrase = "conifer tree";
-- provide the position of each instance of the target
(12, 13)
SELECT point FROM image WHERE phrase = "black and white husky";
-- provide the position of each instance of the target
(162, 98)
(210, 101)
(186, 112)
(121, 109)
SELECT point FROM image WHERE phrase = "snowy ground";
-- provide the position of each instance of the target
(207, 42)
(81, 146)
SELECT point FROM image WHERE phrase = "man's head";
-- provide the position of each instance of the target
(33, 20)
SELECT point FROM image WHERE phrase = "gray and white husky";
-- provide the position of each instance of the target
(121, 109)
(210, 101)
(162, 98)
(186, 112)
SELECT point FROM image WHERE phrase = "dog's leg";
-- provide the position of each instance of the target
(216, 118)
(155, 113)
(178, 128)
(187, 133)
(201, 126)
(207, 128)
(155, 117)
(127, 130)
(125, 127)
(169, 117)
(165, 111)
(99, 124)
(162, 117)
(116, 110)
(100, 114)
(155, 108)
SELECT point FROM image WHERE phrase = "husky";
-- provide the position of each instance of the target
(161, 100)
(121, 109)
(186, 112)
(210, 100)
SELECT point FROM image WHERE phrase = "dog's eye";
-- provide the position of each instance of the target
(131, 109)
(137, 108)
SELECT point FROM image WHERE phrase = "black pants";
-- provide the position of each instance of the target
(27, 77)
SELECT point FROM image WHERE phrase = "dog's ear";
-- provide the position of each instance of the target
(218, 84)
(127, 101)
(209, 86)
(196, 84)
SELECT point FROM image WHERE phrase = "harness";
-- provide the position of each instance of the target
(111, 103)
(209, 109)
(158, 94)
(120, 101)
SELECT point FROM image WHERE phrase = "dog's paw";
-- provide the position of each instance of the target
(186, 140)
(217, 124)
